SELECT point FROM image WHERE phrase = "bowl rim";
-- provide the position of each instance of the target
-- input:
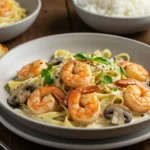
(36, 11)
(109, 17)
(27, 119)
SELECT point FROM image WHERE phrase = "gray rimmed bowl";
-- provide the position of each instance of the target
(113, 25)
(79, 42)
(13, 30)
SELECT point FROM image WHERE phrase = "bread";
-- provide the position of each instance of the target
(3, 50)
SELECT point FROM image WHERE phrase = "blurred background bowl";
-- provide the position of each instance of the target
(113, 25)
(13, 30)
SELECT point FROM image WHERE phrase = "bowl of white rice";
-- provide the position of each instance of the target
(115, 16)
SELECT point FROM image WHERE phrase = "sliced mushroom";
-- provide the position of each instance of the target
(57, 61)
(119, 114)
(21, 94)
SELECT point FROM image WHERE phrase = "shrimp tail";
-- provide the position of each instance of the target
(60, 97)
(125, 82)
(89, 89)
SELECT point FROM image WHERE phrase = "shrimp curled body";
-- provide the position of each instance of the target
(135, 71)
(76, 73)
(43, 100)
(83, 105)
(136, 95)
(32, 70)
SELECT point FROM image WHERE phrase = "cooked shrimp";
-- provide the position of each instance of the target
(5, 8)
(83, 105)
(135, 71)
(43, 100)
(136, 95)
(32, 70)
(76, 73)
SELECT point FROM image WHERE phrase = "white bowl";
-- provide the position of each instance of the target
(80, 42)
(113, 25)
(13, 30)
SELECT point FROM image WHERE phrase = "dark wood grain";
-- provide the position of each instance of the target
(57, 16)
(77, 25)
(53, 19)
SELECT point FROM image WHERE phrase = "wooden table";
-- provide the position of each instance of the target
(57, 16)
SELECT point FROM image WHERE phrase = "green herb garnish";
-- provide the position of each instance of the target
(122, 71)
(47, 75)
(115, 75)
(86, 56)
(92, 56)
(107, 79)
(82, 56)
(102, 60)
(115, 89)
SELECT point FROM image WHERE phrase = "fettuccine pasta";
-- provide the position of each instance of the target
(80, 90)
(11, 12)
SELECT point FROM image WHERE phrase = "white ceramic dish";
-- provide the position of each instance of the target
(52, 141)
(114, 25)
(45, 48)
(13, 30)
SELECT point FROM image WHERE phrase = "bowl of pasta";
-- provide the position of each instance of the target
(16, 16)
(96, 85)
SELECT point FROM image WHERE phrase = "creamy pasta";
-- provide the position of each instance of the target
(80, 90)
(11, 12)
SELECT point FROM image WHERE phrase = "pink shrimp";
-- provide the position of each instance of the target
(136, 95)
(32, 70)
(43, 100)
(83, 105)
(135, 71)
(76, 73)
